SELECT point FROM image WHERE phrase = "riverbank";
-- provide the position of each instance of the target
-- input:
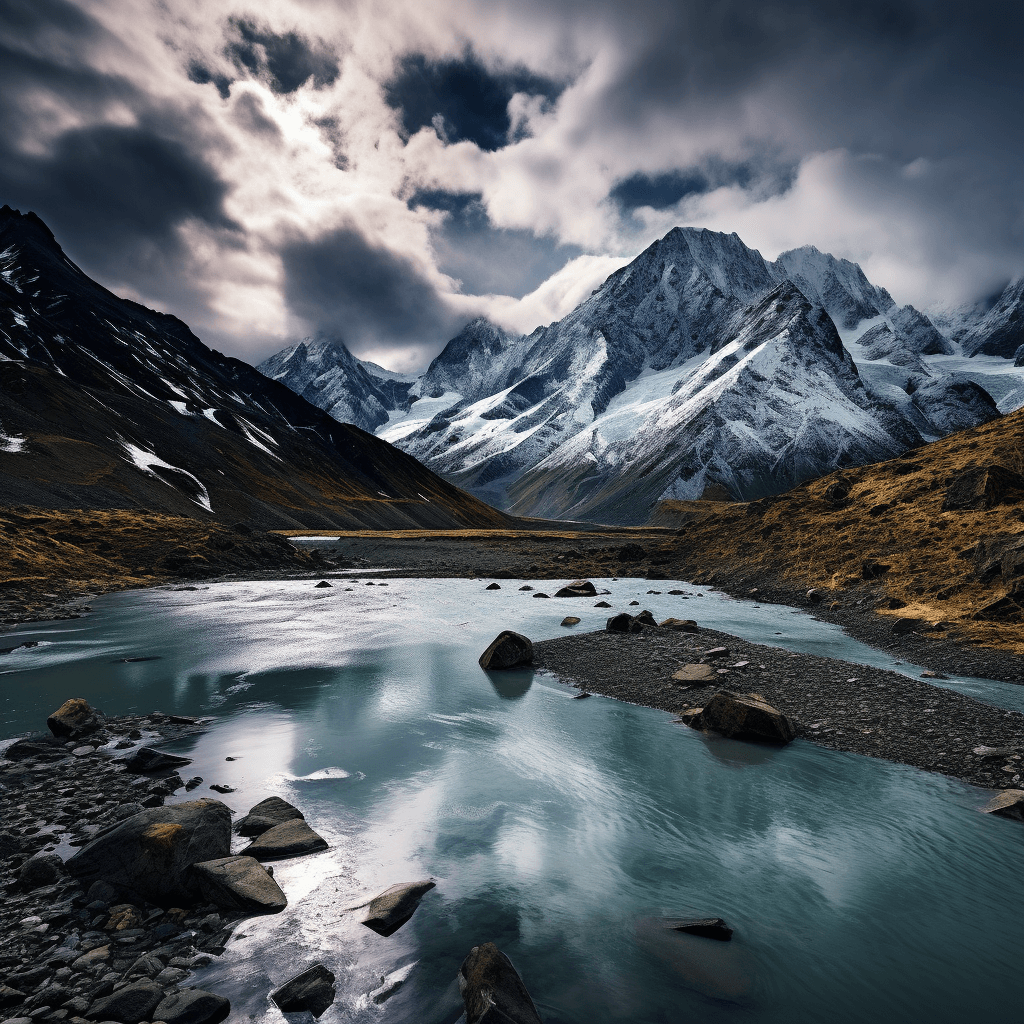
(833, 703)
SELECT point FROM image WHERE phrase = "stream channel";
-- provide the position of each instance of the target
(561, 830)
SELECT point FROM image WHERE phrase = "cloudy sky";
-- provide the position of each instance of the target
(383, 170)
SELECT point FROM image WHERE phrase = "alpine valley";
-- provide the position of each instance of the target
(698, 370)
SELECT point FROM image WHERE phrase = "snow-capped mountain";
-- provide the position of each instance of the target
(700, 369)
(107, 404)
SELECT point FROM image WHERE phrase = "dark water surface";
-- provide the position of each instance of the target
(562, 830)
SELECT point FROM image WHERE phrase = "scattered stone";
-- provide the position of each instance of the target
(717, 652)
(708, 927)
(387, 912)
(541, 594)
(680, 625)
(132, 1004)
(289, 839)
(74, 718)
(507, 650)
(265, 815)
(816, 594)
(193, 783)
(745, 716)
(312, 991)
(634, 603)
(526, 587)
(646, 618)
(570, 620)
(492, 991)
(602, 604)
(220, 788)
(872, 570)
(322, 584)
(694, 673)
(581, 696)
(994, 753)
(579, 588)
(43, 869)
(493, 586)
(151, 852)
(146, 759)
(192, 1006)
(1008, 804)
(239, 883)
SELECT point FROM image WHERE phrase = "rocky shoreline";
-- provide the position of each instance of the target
(833, 703)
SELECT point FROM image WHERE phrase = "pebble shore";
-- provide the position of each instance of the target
(63, 948)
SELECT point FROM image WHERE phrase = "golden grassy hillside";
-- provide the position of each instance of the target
(943, 565)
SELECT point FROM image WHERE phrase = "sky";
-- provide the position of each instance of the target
(383, 172)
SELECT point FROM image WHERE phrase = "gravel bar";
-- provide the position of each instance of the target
(833, 703)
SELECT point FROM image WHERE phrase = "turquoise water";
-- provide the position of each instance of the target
(562, 830)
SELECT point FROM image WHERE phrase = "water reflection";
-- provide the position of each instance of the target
(511, 684)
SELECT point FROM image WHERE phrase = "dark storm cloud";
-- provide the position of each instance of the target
(472, 101)
(343, 284)
(112, 194)
(287, 61)
(199, 73)
(489, 260)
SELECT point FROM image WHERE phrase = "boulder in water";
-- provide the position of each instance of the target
(492, 991)
(507, 650)
(646, 618)
(74, 718)
(493, 586)
(570, 620)
(387, 912)
(150, 853)
(289, 839)
(265, 815)
(579, 588)
(311, 991)
(745, 716)
(708, 927)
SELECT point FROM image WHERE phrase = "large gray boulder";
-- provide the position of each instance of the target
(239, 883)
(579, 588)
(289, 839)
(393, 907)
(492, 991)
(149, 854)
(745, 716)
(129, 1005)
(265, 815)
(192, 1006)
(312, 990)
(74, 718)
(507, 650)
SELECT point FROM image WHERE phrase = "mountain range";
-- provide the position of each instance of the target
(105, 404)
(698, 370)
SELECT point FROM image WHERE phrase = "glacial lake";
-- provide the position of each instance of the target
(562, 830)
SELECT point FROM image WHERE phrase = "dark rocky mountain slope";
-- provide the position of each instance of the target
(105, 404)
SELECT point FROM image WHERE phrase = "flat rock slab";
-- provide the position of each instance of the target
(387, 912)
(239, 883)
(680, 625)
(312, 991)
(1008, 804)
(708, 927)
(289, 839)
(507, 650)
(694, 673)
(492, 991)
(146, 759)
(265, 815)
(192, 1006)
